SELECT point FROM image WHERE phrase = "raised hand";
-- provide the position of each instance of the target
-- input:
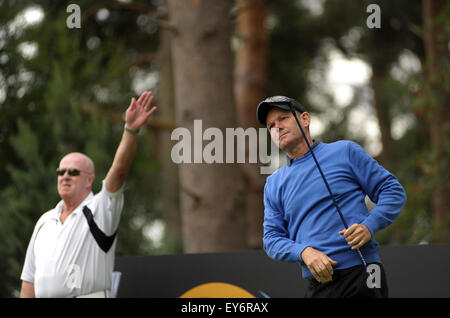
(139, 111)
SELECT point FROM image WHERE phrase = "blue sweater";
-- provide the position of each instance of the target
(300, 213)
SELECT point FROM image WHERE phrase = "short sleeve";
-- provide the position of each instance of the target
(107, 208)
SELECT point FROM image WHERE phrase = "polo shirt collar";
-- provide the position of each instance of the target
(56, 212)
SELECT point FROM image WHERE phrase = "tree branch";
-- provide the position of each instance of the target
(116, 117)
(131, 6)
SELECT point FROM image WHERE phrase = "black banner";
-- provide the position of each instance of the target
(412, 271)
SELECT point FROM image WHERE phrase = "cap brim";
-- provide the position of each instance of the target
(263, 109)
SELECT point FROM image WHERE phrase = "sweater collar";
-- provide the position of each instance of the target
(290, 161)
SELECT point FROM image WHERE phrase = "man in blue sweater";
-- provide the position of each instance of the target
(301, 223)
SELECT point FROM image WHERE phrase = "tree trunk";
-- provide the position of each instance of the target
(212, 202)
(384, 119)
(435, 38)
(250, 81)
(168, 202)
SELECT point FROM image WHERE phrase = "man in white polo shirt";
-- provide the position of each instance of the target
(71, 251)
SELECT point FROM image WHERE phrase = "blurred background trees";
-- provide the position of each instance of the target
(64, 90)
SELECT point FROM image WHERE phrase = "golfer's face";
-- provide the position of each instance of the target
(71, 185)
(282, 127)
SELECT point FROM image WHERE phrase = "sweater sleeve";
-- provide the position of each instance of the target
(276, 242)
(380, 185)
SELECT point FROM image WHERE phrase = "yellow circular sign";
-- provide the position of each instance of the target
(217, 290)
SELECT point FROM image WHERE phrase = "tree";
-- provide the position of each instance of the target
(212, 203)
(168, 201)
(250, 88)
(380, 48)
(436, 34)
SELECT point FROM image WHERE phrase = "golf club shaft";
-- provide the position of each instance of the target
(327, 186)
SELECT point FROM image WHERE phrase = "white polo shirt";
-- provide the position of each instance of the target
(64, 260)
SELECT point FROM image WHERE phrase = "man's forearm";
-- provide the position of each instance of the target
(121, 165)
(136, 116)
(27, 290)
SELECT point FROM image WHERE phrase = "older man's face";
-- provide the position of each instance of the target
(79, 186)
